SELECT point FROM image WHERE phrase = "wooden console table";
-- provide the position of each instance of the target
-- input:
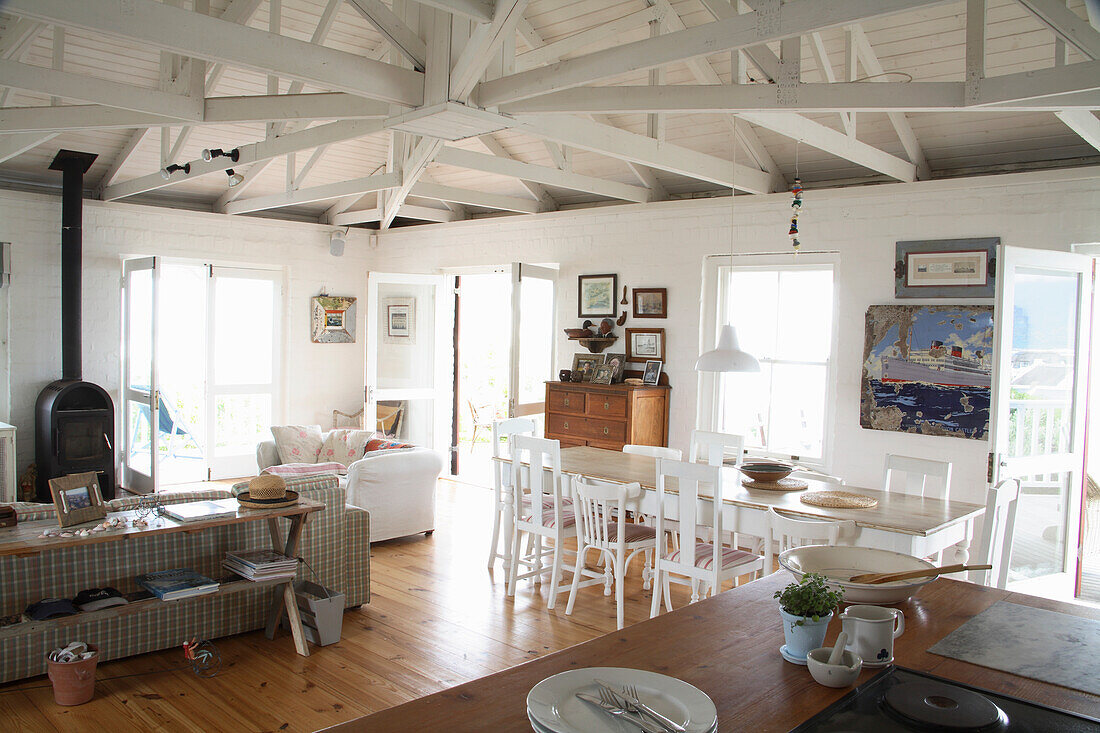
(25, 540)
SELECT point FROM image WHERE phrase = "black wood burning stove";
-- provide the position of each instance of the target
(75, 420)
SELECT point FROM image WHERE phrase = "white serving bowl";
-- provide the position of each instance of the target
(838, 563)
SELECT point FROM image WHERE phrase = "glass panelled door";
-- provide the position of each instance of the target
(409, 358)
(140, 400)
(532, 348)
(1039, 408)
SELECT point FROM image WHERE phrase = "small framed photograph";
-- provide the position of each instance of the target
(652, 372)
(586, 364)
(643, 344)
(618, 361)
(332, 320)
(77, 498)
(596, 296)
(603, 374)
(946, 268)
(397, 321)
(650, 302)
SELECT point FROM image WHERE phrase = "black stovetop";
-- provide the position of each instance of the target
(901, 700)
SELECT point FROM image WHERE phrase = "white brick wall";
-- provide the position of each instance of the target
(663, 245)
(320, 377)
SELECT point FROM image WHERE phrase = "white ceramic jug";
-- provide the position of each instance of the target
(871, 632)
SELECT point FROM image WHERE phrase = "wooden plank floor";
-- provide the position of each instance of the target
(437, 617)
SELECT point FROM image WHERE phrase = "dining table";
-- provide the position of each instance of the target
(913, 525)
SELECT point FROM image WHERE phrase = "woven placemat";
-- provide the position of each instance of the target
(783, 484)
(838, 500)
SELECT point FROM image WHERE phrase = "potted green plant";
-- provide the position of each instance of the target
(806, 607)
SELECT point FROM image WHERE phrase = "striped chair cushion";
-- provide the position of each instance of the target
(567, 519)
(633, 532)
(704, 556)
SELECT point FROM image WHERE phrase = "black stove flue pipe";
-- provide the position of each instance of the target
(73, 166)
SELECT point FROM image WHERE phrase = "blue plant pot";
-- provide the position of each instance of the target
(804, 638)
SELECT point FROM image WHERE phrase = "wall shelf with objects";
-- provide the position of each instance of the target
(607, 415)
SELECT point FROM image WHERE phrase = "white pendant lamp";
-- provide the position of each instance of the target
(728, 356)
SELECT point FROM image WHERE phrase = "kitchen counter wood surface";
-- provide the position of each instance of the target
(728, 646)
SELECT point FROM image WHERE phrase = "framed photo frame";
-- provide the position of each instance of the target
(946, 268)
(643, 344)
(586, 364)
(652, 371)
(596, 296)
(398, 320)
(618, 361)
(332, 320)
(77, 498)
(650, 302)
(603, 374)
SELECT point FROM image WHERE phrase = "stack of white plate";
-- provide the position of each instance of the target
(553, 705)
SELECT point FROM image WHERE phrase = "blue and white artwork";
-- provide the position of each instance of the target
(928, 369)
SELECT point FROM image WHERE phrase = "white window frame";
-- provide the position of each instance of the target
(713, 303)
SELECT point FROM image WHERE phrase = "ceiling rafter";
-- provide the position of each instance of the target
(1068, 25)
(393, 29)
(366, 184)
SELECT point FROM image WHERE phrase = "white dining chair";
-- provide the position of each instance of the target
(917, 476)
(715, 447)
(503, 430)
(654, 451)
(704, 565)
(602, 507)
(785, 532)
(998, 523)
(540, 513)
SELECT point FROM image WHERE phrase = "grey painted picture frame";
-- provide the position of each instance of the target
(946, 268)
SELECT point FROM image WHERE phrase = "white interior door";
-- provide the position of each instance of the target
(1038, 407)
(409, 357)
(140, 400)
(533, 338)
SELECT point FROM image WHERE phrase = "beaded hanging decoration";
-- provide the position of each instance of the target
(796, 205)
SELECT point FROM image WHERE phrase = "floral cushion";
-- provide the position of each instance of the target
(297, 443)
(377, 443)
(344, 446)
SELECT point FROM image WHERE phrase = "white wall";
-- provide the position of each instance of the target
(320, 377)
(663, 245)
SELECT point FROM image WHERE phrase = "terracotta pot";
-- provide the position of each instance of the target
(74, 682)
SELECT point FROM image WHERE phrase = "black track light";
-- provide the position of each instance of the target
(234, 178)
(167, 171)
(209, 155)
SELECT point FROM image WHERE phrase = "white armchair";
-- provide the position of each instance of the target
(397, 488)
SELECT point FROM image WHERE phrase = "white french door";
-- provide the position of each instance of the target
(140, 401)
(408, 360)
(201, 370)
(531, 352)
(1038, 408)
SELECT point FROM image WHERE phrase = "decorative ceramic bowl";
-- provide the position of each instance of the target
(766, 473)
(838, 563)
(844, 674)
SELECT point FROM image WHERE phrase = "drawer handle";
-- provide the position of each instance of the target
(567, 402)
(607, 405)
(566, 426)
(606, 431)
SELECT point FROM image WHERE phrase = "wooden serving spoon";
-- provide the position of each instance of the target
(876, 578)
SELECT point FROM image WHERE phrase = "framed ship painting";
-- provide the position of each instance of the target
(928, 369)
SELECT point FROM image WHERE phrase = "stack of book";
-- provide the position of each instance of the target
(260, 564)
(171, 585)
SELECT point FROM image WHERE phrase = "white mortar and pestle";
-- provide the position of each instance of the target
(834, 667)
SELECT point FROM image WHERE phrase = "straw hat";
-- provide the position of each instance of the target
(267, 492)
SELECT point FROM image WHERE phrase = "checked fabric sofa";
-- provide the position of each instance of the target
(335, 543)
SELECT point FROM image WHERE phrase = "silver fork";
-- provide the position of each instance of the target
(632, 691)
(611, 706)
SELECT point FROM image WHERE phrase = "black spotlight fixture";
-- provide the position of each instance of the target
(234, 178)
(209, 155)
(167, 171)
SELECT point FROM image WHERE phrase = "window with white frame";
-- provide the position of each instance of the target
(784, 317)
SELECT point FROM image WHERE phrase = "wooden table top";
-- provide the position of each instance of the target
(896, 512)
(25, 538)
(728, 646)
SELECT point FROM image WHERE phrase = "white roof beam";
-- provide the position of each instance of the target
(263, 150)
(480, 11)
(541, 174)
(407, 211)
(794, 19)
(551, 52)
(14, 44)
(450, 194)
(91, 89)
(394, 30)
(411, 168)
(366, 184)
(1068, 25)
(213, 39)
(537, 190)
(1035, 85)
(529, 35)
(1084, 123)
(825, 66)
(484, 43)
(13, 145)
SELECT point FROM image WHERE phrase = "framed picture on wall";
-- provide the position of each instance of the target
(332, 320)
(399, 321)
(946, 268)
(596, 296)
(643, 344)
(650, 302)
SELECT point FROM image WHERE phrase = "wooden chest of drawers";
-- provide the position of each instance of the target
(606, 415)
